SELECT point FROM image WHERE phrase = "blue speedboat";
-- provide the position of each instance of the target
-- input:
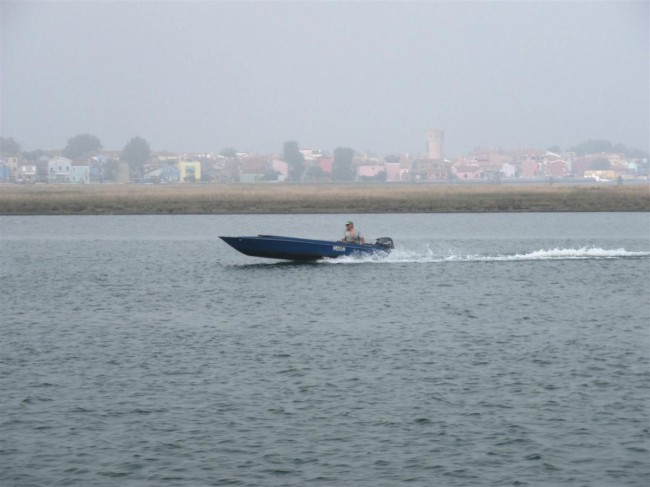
(291, 248)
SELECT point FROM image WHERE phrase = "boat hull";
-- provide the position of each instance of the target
(291, 248)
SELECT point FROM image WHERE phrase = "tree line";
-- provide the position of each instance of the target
(597, 146)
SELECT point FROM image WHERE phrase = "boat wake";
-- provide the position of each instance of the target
(428, 255)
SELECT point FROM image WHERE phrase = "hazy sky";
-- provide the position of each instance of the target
(201, 76)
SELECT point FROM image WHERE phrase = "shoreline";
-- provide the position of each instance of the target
(304, 198)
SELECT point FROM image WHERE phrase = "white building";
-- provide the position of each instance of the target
(27, 172)
(80, 174)
(58, 170)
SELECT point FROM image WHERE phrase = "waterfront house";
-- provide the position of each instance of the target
(253, 169)
(58, 170)
(281, 167)
(557, 169)
(190, 171)
(9, 170)
(311, 154)
(394, 171)
(5, 173)
(467, 171)
(430, 170)
(80, 173)
(508, 170)
(530, 168)
(326, 163)
(162, 174)
(371, 172)
(27, 173)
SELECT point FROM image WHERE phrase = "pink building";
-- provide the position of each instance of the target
(325, 163)
(369, 171)
(530, 169)
(281, 167)
(393, 171)
(579, 167)
(467, 171)
(253, 165)
(557, 169)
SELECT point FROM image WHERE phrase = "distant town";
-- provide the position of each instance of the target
(83, 161)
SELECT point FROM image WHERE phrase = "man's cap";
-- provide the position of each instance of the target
(349, 222)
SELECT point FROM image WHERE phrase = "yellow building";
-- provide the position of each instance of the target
(190, 171)
(602, 175)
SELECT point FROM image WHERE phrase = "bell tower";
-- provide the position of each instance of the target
(435, 138)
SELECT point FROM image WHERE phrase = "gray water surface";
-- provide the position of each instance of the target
(485, 350)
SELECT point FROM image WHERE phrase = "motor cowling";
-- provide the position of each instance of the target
(385, 242)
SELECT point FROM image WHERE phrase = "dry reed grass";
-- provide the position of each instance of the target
(309, 198)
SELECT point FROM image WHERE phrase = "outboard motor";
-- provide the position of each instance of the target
(385, 242)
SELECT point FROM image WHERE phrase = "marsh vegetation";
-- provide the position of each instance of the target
(312, 198)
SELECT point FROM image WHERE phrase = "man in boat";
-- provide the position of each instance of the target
(352, 235)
